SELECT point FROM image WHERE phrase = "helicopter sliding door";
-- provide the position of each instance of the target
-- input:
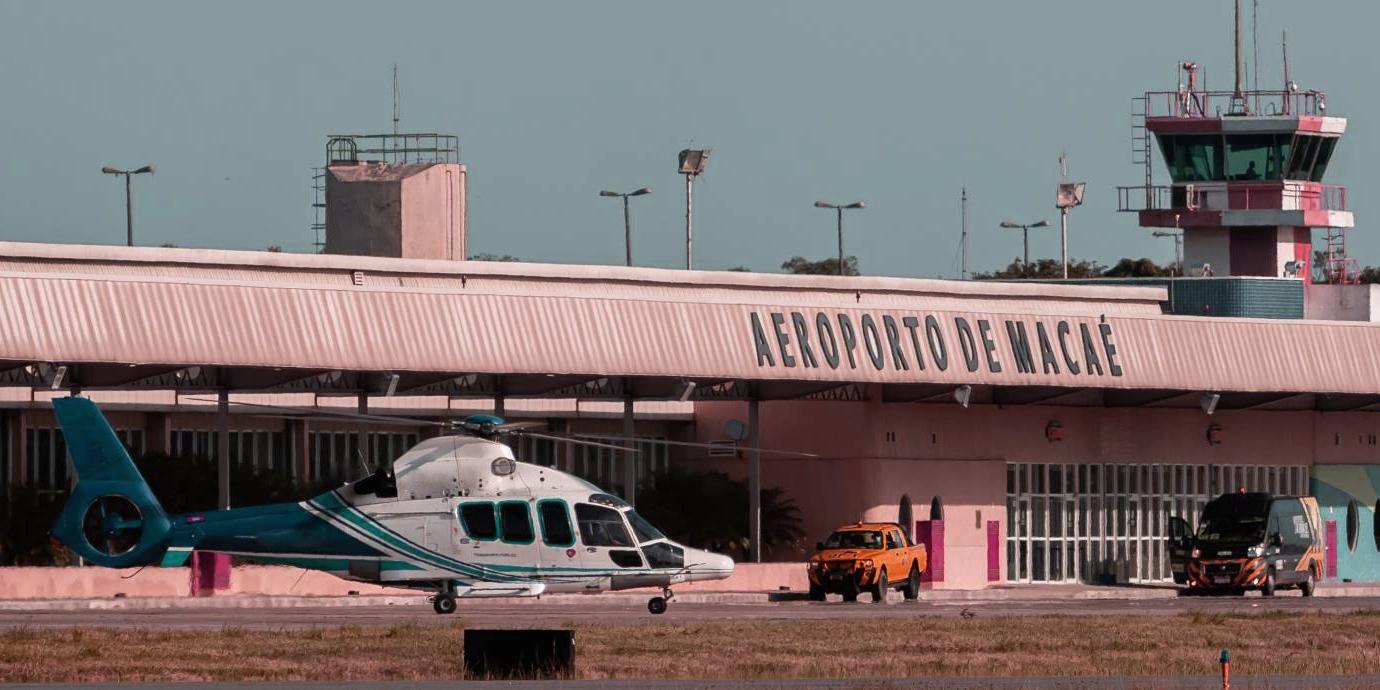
(608, 546)
(559, 556)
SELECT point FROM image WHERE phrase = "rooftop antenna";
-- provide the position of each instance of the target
(395, 99)
(1238, 99)
(963, 238)
(1255, 48)
(1288, 85)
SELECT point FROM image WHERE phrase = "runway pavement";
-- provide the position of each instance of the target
(538, 614)
(1062, 683)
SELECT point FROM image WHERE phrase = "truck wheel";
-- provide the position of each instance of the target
(1308, 584)
(912, 588)
(879, 590)
(816, 593)
(1268, 588)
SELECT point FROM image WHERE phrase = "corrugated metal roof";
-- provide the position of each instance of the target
(201, 308)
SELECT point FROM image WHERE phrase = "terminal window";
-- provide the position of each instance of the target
(1101, 523)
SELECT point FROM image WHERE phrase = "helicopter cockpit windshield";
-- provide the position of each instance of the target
(601, 524)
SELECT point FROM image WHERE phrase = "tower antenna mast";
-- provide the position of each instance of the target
(1284, 46)
(963, 238)
(395, 99)
(1238, 98)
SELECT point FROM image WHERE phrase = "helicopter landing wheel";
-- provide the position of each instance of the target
(443, 604)
(657, 605)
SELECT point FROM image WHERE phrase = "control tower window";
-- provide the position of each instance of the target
(1301, 163)
(1193, 157)
(1252, 157)
(1325, 147)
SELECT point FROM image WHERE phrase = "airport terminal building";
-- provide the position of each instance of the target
(1033, 432)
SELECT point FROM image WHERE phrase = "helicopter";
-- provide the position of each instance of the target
(457, 515)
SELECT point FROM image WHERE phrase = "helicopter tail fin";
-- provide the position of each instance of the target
(112, 518)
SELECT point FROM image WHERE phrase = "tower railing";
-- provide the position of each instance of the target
(393, 148)
(1233, 196)
(1185, 103)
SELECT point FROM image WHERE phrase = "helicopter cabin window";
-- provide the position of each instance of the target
(600, 526)
(626, 559)
(479, 521)
(555, 523)
(515, 522)
(664, 555)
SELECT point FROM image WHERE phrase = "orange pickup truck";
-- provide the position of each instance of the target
(866, 557)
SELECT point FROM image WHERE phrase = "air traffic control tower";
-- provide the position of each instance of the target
(1246, 179)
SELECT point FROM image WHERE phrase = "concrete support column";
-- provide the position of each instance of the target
(567, 450)
(754, 485)
(19, 448)
(366, 458)
(630, 461)
(223, 449)
(299, 436)
(157, 432)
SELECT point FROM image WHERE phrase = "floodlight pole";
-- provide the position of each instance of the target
(1064, 240)
(689, 206)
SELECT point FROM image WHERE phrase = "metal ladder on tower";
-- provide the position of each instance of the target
(1341, 269)
(1140, 144)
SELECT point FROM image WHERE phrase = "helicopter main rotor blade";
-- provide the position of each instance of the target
(577, 441)
(326, 413)
(690, 444)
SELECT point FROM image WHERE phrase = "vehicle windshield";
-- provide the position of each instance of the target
(854, 539)
(1237, 518)
(644, 530)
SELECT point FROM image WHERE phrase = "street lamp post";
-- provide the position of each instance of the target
(627, 216)
(838, 208)
(1025, 236)
(1178, 237)
(129, 203)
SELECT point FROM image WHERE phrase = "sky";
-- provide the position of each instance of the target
(898, 104)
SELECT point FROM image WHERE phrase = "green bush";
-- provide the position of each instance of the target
(709, 510)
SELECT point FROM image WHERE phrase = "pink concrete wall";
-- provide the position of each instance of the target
(98, 583)
(363, 217)
(874, 452)
(433, 213)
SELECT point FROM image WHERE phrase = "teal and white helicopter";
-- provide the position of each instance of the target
(455, 514)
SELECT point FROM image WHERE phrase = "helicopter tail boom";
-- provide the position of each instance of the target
(112, 518)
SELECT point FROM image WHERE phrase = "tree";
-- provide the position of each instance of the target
(1044, 269)
(708, 510)
(1141, 268)
(275, 248)
(485, 256)
(799, 265)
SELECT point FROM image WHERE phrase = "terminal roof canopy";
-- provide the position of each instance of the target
(202, 319)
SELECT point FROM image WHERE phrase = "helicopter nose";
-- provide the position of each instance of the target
(707, 565)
